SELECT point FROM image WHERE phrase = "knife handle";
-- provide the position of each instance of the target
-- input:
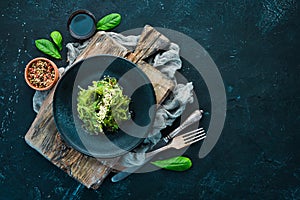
(194, 117)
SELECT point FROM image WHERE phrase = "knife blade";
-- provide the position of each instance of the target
(194, 117)
(128, 171)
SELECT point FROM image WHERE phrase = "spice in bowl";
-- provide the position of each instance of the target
(41, 74)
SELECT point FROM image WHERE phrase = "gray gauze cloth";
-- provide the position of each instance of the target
(167, 62)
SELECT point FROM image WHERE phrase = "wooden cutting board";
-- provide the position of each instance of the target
(43, 135)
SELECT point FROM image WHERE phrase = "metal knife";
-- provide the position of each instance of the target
(194, 117)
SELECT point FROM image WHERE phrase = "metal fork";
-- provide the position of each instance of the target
(177, 142)
(181, 141)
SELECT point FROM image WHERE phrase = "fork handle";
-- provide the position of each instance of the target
(153, 153)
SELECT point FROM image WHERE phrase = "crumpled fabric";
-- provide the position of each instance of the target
(168, 63)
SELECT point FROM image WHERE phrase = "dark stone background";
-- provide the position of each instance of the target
(255, 45)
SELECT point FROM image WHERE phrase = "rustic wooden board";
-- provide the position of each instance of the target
(43, 135)
(102, 44)
(150, 42)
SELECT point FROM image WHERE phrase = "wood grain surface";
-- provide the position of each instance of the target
(43, 135)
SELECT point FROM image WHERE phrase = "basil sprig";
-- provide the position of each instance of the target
(109, 21)
(48, 48)
(179, 163)
(57, 39)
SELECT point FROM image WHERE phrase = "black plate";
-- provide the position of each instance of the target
(135, 84)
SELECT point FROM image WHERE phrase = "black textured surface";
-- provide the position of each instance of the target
(255, 44)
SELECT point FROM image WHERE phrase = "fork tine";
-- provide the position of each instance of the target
(188, 136)
(196, 136)
(193, 131)
(193, 141)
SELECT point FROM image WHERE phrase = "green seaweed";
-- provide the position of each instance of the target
(102, 105)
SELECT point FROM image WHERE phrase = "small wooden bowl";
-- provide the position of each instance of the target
(50, 85)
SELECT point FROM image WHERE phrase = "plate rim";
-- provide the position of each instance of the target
(85, 151)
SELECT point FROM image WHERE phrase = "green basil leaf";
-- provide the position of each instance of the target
(57, 39)
(109, 21)
(48, 48)
(179, 163)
